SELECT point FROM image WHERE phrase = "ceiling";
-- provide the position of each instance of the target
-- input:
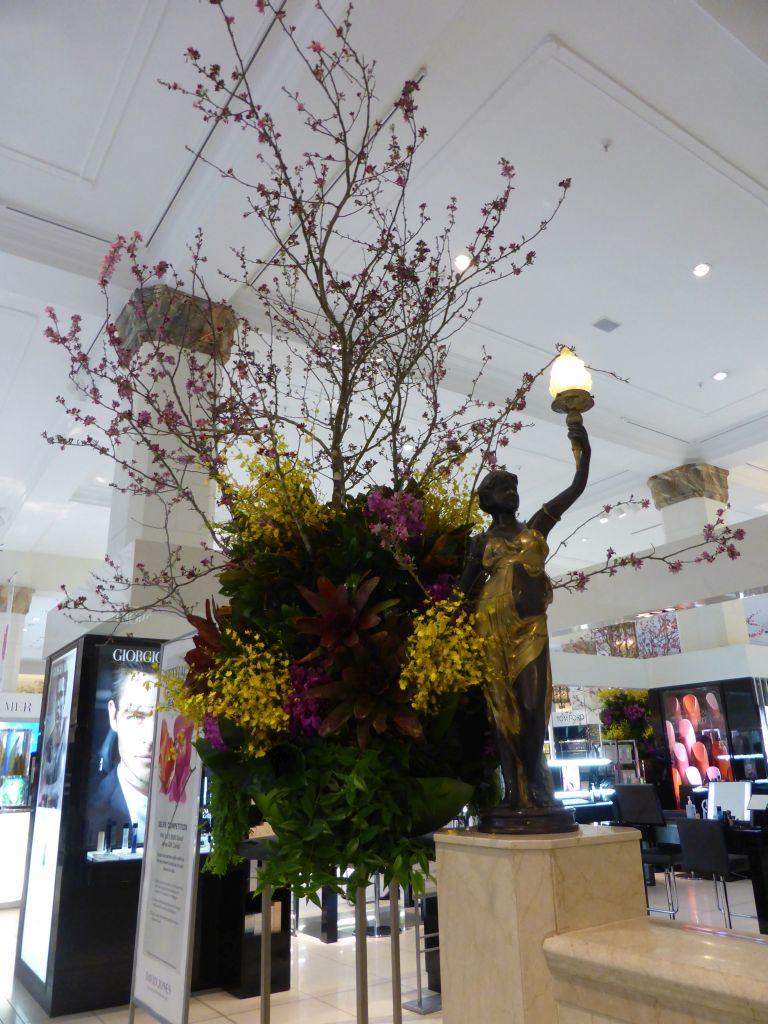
(656, 110)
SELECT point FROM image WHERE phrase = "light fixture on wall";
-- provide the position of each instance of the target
(569, 385)
(561, 698)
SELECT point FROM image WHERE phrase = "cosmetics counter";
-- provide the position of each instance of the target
(19, 733)
(77, 925)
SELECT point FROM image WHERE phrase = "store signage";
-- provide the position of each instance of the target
(566, 718)
(134, 655)
(44, 856)
(163, 953)
(20, 707)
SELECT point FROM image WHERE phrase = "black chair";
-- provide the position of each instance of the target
(638, 806)
(705, 853)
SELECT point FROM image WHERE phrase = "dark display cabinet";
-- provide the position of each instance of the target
(711, 731)
(78, 920)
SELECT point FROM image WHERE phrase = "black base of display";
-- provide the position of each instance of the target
(527, 821)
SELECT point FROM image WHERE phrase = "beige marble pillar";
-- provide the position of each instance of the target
(142, 537)
(186, 324)
(12, 633)
(502, 896)
(688, 497)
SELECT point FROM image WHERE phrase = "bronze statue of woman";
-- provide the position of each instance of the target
(506, 582)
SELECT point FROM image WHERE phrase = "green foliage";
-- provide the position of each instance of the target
(229, 805)
(625, 714)
(360, 772)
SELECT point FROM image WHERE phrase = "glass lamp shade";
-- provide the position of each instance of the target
(569, 374)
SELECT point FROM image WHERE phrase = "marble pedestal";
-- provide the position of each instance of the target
(500, 897)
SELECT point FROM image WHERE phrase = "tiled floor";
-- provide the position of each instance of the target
(323, 976)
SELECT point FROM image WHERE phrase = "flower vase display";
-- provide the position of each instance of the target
(341, 688)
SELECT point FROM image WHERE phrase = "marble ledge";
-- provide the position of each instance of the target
(588, 835)
(658, 967)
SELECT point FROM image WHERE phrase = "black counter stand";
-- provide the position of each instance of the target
(272, 951)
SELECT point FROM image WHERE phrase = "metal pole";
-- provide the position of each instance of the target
(266, 953)
(361, 957)
(394, 933)
(417, 937)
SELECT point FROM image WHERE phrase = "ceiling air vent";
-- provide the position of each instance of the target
(606, 324)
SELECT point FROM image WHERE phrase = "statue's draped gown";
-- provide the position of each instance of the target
(517, 640)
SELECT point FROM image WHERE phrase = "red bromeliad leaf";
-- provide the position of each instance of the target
(336, 719)
(340, 612)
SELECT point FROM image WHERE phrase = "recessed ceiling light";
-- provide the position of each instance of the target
(584, 625)
(584, 540)
(701, 269)
(604, 519)
(407, 447)
(720, 375)
(462, 261)
(621, 515)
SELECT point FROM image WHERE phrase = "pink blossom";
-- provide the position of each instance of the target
(111, 259)
(315, 46)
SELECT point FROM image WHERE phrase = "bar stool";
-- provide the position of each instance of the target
(639, 806)
(705, 852)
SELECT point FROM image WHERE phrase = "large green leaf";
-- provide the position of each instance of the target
(442, 799)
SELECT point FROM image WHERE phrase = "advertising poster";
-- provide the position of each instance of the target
(41, 885)
(169, 877)
(120, 759)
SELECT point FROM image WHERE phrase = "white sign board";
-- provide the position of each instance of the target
(568, 718)
(169, 874)
(20, 707)
(43, 859)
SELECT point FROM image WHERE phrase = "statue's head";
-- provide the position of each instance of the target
(498, 492)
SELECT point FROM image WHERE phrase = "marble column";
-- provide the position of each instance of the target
(502, 896)
(187, 324)
(12, 633)
(688, 497)
(142, 535)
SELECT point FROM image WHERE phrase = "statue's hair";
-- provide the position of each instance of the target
(487, 487)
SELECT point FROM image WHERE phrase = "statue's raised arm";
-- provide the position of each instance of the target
(551, 511)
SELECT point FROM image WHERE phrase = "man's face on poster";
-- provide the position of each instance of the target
(132, 720)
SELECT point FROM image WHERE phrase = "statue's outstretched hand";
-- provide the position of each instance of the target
(577, 434)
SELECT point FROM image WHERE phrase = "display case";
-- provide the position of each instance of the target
(77, 926)
(713, 731)
(581, 771)
(18, 744)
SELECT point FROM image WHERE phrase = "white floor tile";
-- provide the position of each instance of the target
(323, 975)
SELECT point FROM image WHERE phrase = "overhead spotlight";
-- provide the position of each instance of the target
(720, 375)
(584, 540)
(621, 515)
(584, 625)
(462, 262)
(604, 519)
(407, 447)
(701, 270)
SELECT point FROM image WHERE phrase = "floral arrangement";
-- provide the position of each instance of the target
(340, 690)
(625, 715)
